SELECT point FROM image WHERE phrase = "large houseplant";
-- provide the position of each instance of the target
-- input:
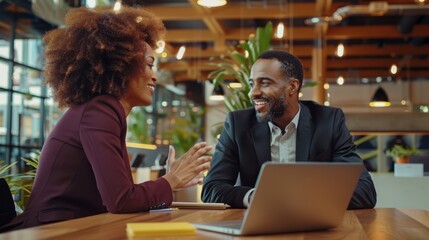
(236, 65)
(20, 184)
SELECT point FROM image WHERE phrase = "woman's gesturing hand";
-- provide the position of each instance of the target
(187, 170)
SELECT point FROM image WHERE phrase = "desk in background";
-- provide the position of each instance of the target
(379, 223)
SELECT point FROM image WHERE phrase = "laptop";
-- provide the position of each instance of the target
(293, 197)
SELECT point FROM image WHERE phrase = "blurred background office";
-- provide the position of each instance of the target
(357, 51)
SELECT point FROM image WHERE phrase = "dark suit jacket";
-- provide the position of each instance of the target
(244, 146)
(84, 169)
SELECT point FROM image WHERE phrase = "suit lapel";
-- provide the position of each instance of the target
(260, 134)
(304, 134)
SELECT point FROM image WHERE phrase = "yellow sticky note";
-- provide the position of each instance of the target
(155, 229)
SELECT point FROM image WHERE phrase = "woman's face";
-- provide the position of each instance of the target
(142, 87)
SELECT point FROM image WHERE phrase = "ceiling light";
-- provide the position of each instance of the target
(117, 6)
(211, 3)
(161, 46)
(91, 3)
(181, 52)
(340, 80)
(326, 86)
(378, 79)
(340, 50)
(379, 99)
(235, 85)
(393, 69)
(280, 30)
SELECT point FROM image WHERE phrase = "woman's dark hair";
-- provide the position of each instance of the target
(98, 52)
(291, 65)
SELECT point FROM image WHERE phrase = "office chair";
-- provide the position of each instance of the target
(7, 206)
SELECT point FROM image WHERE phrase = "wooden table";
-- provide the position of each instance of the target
(379, 224)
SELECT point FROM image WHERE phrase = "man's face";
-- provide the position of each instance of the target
(268, 89)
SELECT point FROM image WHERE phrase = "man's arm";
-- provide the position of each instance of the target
(364, 195)
(221, 178)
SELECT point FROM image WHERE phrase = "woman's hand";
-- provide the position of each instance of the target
(187, 170)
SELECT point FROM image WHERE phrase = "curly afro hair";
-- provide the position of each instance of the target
(98, 52)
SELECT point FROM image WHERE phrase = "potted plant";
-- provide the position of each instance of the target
(400, 153)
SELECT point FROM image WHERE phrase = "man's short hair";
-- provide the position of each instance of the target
(291, 65)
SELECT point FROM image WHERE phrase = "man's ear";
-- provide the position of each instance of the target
(293, 86)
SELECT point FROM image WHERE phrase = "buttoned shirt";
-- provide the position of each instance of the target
(283, 142)
(283, 146)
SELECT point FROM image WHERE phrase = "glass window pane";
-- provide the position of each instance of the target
(3, 106)
(4, 74)
(4, 48)
(26, 118)
(29, 52)
(27, 80)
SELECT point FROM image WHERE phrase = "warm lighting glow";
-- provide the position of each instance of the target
(216, 97)
(181, 52)
(393, 69)
(378, 79)
(91, 3)
(379, 104)
(117, 6)
(420, 2)
(403, 102)
(141, 145)
(235, 85)
(164, 54)
(246, 54)
(300, 95)
(326, 86)
(280, 30)
(340, 80)
(326, 103)
(161, 46)
(340, 50)
(211, 3)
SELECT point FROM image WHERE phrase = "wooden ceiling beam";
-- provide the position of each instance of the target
(303, 33)
(330, 74)
(352, 64)
(376, 73)
(374, 32)
(238, 11)
(390, 50)
(212, 24)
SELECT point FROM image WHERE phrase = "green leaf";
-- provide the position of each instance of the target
(310, 84)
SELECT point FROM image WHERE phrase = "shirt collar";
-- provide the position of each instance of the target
(295, 120)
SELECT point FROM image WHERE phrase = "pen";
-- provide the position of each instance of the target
(163, 210)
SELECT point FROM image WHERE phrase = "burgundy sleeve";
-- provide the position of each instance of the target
(102, 133)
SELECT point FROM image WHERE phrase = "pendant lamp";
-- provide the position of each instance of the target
(379, 99)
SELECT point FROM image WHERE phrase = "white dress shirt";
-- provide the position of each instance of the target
(283, 146)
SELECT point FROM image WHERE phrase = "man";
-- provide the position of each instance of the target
(280, 128)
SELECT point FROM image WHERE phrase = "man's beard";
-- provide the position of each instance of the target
(276, 109)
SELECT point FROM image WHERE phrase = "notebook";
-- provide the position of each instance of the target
(293, 197)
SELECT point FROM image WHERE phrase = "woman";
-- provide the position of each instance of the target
(100, 66)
